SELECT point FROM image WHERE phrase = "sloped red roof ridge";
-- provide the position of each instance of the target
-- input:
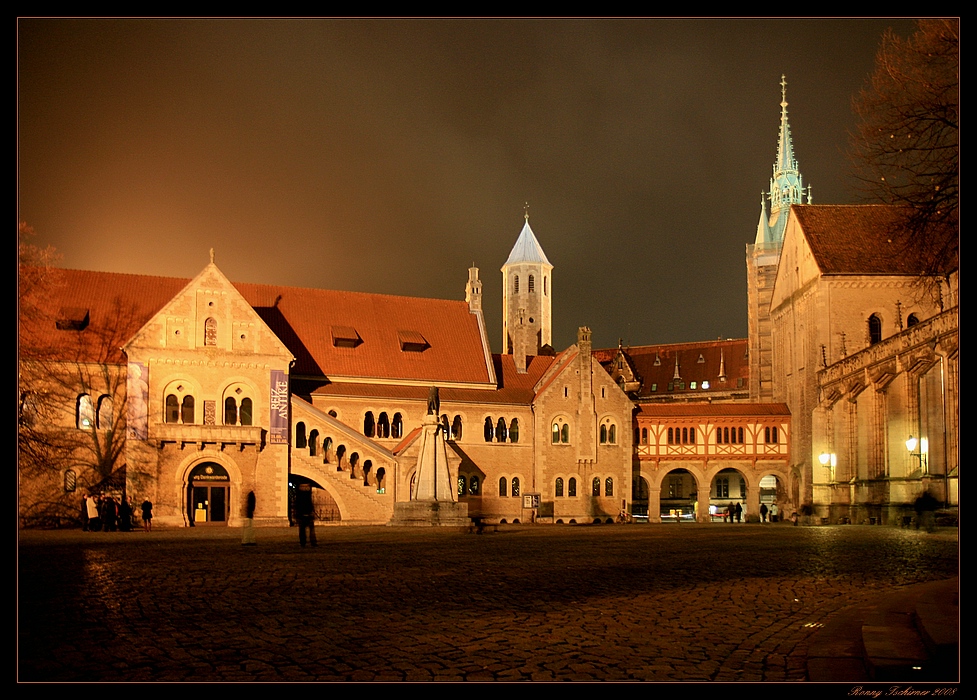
(865, 239)
(302, 318)
(655, 365)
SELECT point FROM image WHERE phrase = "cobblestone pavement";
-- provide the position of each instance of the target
(608, 602)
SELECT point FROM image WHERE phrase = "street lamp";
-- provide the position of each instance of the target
(829, 459)
(923, 443)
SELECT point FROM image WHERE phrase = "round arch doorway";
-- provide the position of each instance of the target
(208, 495)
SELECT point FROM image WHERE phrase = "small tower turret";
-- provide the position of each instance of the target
(526, 299)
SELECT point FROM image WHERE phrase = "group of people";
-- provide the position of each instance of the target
(733, 513)
(105, 513)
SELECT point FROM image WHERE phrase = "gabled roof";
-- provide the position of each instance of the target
(857, 239)
(527, 249)
(722, 363)
(118, 305)
(303, 319)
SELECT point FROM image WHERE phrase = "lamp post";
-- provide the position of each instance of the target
(923, 444)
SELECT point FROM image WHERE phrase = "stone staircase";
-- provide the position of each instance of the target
(351, 494)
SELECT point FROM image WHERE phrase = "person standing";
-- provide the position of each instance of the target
(739, 512)
(248, 537)
(125, 515)
(763, 512)
(147, 515)
(305, 512)
(774, 513)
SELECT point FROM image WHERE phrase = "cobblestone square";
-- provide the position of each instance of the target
(551, 603)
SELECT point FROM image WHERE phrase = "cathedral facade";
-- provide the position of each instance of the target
(860, 346)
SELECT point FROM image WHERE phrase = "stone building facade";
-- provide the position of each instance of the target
(224, 389)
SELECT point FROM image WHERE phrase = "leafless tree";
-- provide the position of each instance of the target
(72, 383)
(905, 149)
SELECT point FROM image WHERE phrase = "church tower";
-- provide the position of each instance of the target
(527, 288)
(786, 188)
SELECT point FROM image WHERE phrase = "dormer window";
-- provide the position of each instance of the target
(412, 341)
(345, 337)
(72, 318)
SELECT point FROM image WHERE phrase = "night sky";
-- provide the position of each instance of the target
(387, 156)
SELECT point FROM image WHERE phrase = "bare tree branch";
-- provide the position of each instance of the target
(905, 150)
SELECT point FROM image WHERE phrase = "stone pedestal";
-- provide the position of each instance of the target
(433, 502)
(430, 514)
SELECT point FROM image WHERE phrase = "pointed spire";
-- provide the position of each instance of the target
(786, 185)
(527, 248)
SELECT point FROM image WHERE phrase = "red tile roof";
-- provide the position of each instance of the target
(865, 239)
(513, 388)
(304, 319)
(655, 365)
(712, 410)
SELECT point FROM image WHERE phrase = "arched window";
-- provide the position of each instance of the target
(85, 412)
(912, 320)
(565, 434)
(671, 437)
(595, 486)
(612, 434)
(503, 487)
(230, 411)
(103, 420)
(210, 332)
(172, 414)
(685, 436)
(473, 485)
(397, 427)
(313, 442)
(556, 433)
(603, 434)
(383, 426)
(515, 487)
(532, 284)
(456, 428)
(691, 436)
(514, 430)
(369, 424)
(608, 486)
(445, 429)
(300, 440)
(501, 434)
(559, 487)
(489, 430)
(340, 454)
(545, 292)
(644, 436)
(186, 410)
(247, 412)
(70, 481)
(874, 329)
(462, 485)
(572, 487)
(516, 285)
(326, 449)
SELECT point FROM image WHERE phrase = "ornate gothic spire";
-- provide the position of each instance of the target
(786, 185)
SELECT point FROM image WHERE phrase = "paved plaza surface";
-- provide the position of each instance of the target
(546, 603)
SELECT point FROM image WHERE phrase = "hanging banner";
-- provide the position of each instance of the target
(278, 420)
(137, 401)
